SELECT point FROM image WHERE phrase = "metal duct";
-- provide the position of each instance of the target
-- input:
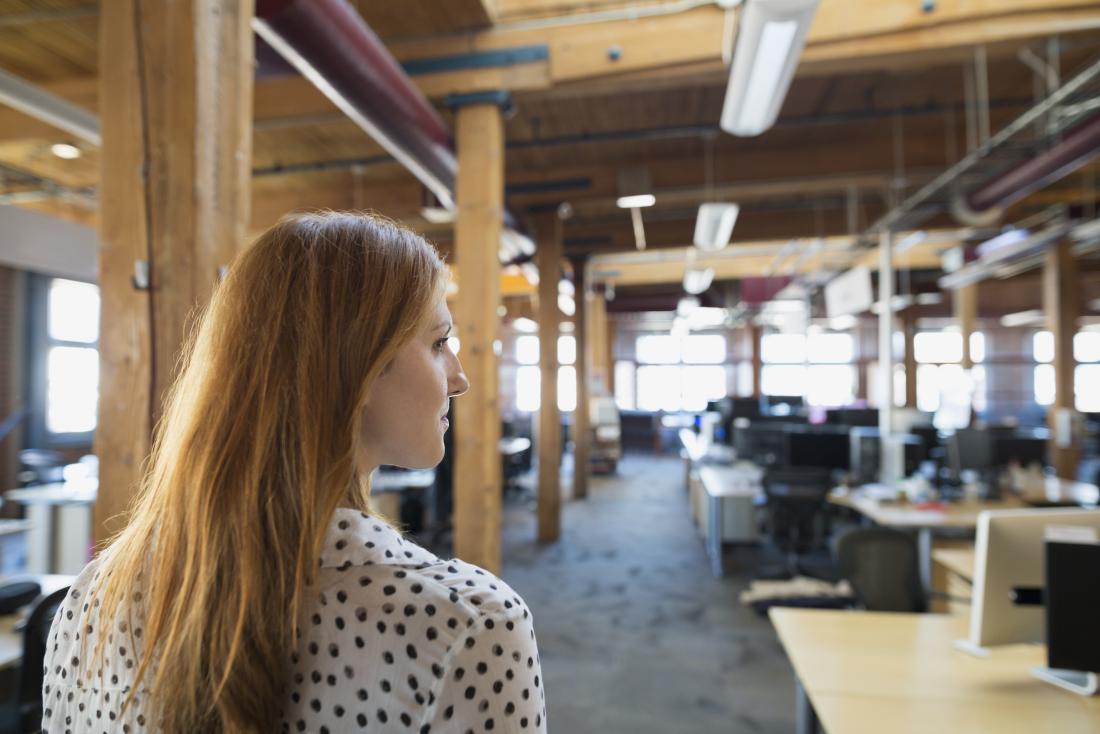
(331, 45)
(1075, 150)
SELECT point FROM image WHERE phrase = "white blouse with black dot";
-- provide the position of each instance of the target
(393, 639)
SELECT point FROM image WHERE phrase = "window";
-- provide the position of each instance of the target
(1086, 346)
(937, 347)
(624, 384)
(1042, 346)
(1086, 376)
(657, 349)
(68, 391)
(528, 389)
(1043, 384)
(527, 349)
(567, 389)
(674, 373)
(817, 367)
(567, 349)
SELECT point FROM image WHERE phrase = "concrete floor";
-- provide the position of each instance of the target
(635, 634)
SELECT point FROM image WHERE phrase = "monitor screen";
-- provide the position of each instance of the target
(969, 449)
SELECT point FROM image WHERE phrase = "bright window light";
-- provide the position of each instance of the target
(1042, 347)
(624, 384)
(567, 349)
(771, 56)
(1085, 379)
(527, 349)
(73, 310)
(659, 388)
(937, 347)
(831, 348)
(977, 346)
(567, 389)
(1043, 384)
(528, 390)
(1086, 347)
(702, 384)
(72, 389)
(657, 349)
(704, 349)
(783, 349)
(830, 385)
(783, 379)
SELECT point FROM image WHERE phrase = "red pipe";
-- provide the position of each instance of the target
(1074, 151)
(331, 45)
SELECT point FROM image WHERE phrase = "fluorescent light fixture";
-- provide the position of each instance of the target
(686, 305)
(697, 280)
(1032, 317)
(637, 201)
(910, 240)
(769, 42)
(714, 225)
(929, 299)
(65, 150)
(525, 325)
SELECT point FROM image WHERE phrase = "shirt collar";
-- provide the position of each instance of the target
(355, 538)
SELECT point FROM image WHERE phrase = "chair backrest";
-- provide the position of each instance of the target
(35, 635)
(795, 496)
(882, 565)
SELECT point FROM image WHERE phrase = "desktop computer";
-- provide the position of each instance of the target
(1009, 556)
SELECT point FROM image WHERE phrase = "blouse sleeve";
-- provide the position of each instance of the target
(492, 682)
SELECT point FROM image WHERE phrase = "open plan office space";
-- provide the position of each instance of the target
(781, 320)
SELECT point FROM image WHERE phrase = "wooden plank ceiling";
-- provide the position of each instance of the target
(879, 98)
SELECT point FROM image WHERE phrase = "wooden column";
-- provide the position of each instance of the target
(548, 259)
(909, 325)
(480, 201)
(966, 313)
(1062, 306)
(580, 415)
(755, 336)
(173, 203)
(599, 356)
(611, 332)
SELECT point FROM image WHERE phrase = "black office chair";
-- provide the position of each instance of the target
(883, 567)
(24, 713)
(795, 511)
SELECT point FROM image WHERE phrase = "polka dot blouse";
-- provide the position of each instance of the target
(393, 640)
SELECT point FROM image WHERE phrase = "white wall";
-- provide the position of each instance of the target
(44, 244)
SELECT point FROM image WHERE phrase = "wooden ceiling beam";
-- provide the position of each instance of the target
(730, 264)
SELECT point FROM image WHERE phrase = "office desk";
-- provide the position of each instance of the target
(724, 504)
(953, 575)
(960, 516)
(387, 488)
(60, 540)
(868, 672)
(11, 641)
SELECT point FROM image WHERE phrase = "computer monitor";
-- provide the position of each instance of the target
(969, 449)
(819, 449)
(1020, 450)
(1008, 553)
(784, 404)
(853, 417)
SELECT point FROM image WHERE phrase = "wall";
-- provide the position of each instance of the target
(44, 244)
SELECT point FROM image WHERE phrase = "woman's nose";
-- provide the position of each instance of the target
(457, 384)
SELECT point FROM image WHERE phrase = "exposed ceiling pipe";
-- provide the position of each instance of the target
(1074, 150)
(328, 42)
(49, 108)
(331, 45)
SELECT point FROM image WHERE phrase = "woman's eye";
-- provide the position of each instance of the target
(439, 344)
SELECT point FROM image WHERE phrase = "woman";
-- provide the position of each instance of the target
(252, 589)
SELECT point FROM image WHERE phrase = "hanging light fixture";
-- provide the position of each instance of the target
(769, 43)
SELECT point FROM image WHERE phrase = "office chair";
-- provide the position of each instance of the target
(40, 466)
(882, 565)
(24, 713)
(795, 505)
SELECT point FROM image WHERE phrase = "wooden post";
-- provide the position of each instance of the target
(909, 322)
(175, 188)
(755, 336)
(610, 334)
(1062, 306)
(599, 353)
(966, 313)
(480, 201)
(580, 415)
(548, 259)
